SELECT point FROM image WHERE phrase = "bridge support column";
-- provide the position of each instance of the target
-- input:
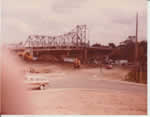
(68, 53)
(85, 56)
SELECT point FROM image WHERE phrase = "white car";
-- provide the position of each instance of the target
(36, 82)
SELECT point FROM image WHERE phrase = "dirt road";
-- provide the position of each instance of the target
(88, 91)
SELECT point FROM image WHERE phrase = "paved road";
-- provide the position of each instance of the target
(85, 91)
(79, 92)
(76, 80)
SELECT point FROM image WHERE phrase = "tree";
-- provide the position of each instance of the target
(112, 45)
(142, 53)
(96, 45)
(125, 50)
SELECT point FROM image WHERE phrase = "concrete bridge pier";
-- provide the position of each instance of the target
(85, 56)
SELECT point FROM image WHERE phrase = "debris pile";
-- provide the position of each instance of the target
(35, 70)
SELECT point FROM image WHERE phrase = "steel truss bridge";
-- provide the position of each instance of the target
(77, 37)
(73, 43)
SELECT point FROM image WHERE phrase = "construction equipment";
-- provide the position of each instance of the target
(26, 55)
(77, 63)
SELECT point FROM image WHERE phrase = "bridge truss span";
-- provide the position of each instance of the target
(75, 38)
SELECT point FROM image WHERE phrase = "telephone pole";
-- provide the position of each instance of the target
(136, 48)
(136, 43)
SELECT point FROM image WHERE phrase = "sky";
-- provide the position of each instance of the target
(107, 20)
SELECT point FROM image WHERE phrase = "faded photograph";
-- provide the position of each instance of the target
(73, 57)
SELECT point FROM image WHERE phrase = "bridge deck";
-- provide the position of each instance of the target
(63, 49)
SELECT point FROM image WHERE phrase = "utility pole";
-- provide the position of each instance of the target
(136, 44)
(136, 47)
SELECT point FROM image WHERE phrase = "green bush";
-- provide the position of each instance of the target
(131, 76)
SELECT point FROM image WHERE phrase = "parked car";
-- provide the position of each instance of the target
(36, 82)
(123, 62)
(108, 66)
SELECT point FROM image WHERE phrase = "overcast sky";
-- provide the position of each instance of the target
(107, 20)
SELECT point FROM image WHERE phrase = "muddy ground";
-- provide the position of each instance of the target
(86, 91)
